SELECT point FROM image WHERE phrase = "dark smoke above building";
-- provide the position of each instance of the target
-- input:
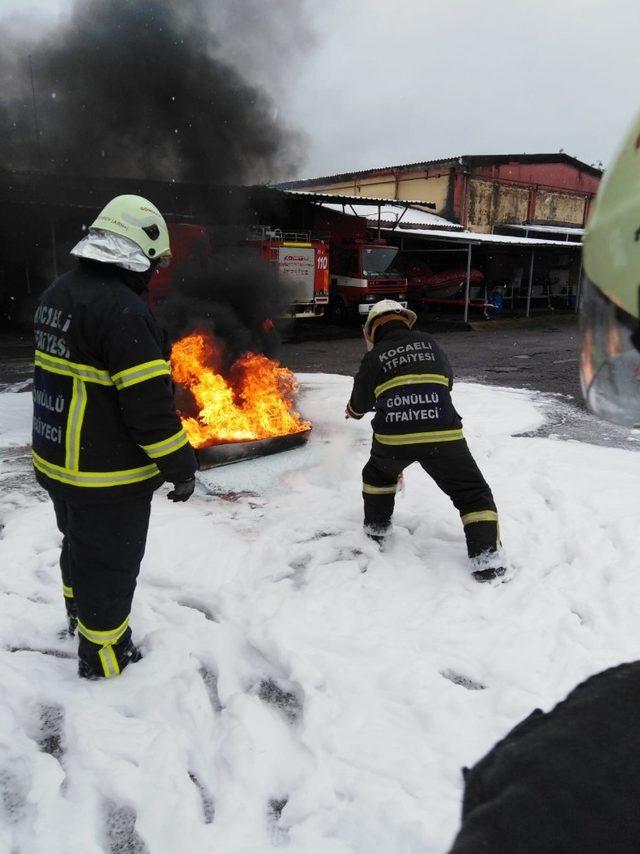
(140, 90)
(151, 97)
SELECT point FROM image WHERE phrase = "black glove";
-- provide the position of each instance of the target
(183, 490)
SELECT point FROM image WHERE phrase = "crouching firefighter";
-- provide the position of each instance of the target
(406, 379)
(105, 430)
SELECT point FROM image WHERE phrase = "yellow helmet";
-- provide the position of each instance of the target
(610, 305)
(140, 221)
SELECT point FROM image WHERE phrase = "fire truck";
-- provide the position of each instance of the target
(302, 262)
(362, 272)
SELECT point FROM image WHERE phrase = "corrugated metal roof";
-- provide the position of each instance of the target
(553, 157)
(496, 239)
(424, 224)
(394, 214)
(549, 229)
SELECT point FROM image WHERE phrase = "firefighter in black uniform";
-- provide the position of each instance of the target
(105, 430)
(406, 379)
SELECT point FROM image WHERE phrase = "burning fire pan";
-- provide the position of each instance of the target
(211, 456)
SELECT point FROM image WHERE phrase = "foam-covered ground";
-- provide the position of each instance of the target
(301, 691)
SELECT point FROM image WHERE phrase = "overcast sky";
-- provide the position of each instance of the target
(407, 80)
(399, 81)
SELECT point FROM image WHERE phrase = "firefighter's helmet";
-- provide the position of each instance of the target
(382, 312)
(610, 308)
(140, 221)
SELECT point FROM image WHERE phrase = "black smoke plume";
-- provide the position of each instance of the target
(143, 88)
(235, 295)
(164, 90)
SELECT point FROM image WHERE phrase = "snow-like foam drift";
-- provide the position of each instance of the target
(287, 699)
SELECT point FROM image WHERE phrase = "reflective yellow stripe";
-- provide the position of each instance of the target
(110, 666)
(104, 638)
(480, 516)
(74, 424)
(354, 412)
(483, 516)
(71, 369)
(379, 490)
(166, 446)
(67, 592)
(412, 379)
(143, 366)
(94, 478)
(140, 373)
(420, 438)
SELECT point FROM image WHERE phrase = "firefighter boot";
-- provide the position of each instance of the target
(72, 616)
(489, 574)
(97, 662)
(377, 533)
(487, 566)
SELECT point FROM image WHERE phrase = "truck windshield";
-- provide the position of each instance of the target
(377, 260)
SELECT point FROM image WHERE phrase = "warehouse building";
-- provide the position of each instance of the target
(498, 232)
(481, 192)
(517, 218)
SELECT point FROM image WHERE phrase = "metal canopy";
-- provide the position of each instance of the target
(471, 239)
(479, 238)
(569, 234)
(394, 216)
(550, 229)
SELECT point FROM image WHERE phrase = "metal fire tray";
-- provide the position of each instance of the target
(211, 456)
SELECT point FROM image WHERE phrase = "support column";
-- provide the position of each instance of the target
(579, 286)
(468, 284)
(533, 252)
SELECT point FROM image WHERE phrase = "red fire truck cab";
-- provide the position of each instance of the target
(362, 272)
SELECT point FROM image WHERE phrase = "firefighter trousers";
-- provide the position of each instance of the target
(452, 467)
(102, 548)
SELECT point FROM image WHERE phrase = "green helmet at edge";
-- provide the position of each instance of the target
(610, 304)
(139, 220)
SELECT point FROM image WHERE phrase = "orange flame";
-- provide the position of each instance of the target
(255, 402)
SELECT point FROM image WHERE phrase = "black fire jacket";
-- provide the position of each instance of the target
(104, 422)
(406, 378)
(564, 782)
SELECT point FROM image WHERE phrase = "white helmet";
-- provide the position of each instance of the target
(382, 312)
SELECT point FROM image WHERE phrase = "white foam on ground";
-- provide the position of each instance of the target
(287, 699)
